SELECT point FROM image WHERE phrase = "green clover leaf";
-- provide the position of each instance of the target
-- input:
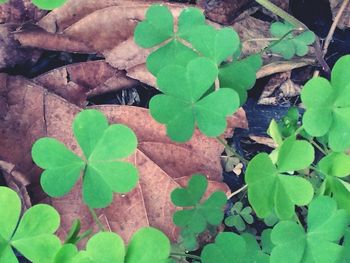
(269, 187)
(326, 226)
(197, 215)
(48, 4)
(292, 44)
(66, 254)
(183, 89)
(239, 216)
(240, 75)
(158, 27)
(334, 167)
(217, 45)
(228, 248)
(33, 237)
(103, 147)
(253, 254)
(146, 245)
(328, 106)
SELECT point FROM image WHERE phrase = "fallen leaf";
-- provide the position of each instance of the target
(19, 11)
(28, 112)
(77, 82)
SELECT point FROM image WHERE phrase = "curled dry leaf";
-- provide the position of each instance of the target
(28, 112)
(77, 82)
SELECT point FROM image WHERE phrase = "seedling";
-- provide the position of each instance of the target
(291, 44)
(239, 216)
(103, 146)
(197, 215)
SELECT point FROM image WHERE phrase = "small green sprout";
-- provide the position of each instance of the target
(33, 235)
(291, 44)
(227, 247)
(326, 225)
(185, 101)
(197, 215)
(271, 188)
(239, 216)
(103, 171)
(328, 106)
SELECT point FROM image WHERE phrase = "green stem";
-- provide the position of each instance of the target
(318, 147)
(280, 39)
(232, 151)
(186, 255)
(297, 219)
(281, 13)
(297, 132)
(97, 221)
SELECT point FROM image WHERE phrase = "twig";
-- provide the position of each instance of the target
(232, 151)
(334, 26)
(283, 14)
(237, 191)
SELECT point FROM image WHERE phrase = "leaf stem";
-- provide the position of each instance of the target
(186, 255)
(97, 221)
(281, 13)
(298, 220)
(318, 147)
(231, 150)
(237, 191)
(217, 84)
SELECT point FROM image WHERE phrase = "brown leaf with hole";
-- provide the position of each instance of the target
(28, 112)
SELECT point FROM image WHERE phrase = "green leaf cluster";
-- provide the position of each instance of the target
(328, 106)
(103, 172)
(239, 216)
(326, 225)
(271, 187)
(187, 63)
(146, 245)
(290, 44)
(32, 235)
(197, 214)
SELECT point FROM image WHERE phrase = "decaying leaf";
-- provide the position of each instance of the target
(28, 112)
(19, 11)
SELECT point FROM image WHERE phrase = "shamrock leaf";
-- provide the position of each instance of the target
(103, 147)
(66, 254)
(239, 216)
(197, 215)
(291, 44)
(228, 248)
(334, 167)
(253, 251)
(33, 237)
(240, 75)
(183, 89)
(215, 44)
(147, 245)
(328, 106)
(48, 4)
(326, 226)
(269, 187)
(158, 27)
